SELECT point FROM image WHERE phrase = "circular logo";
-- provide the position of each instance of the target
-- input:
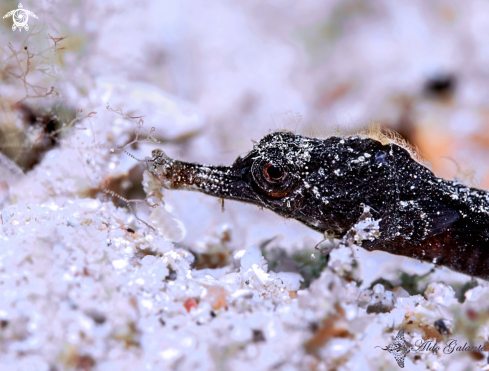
(20, 18)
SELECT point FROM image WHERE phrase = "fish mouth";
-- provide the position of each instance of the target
(219, 181)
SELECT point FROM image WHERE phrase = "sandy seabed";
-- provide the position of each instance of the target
(84, 285)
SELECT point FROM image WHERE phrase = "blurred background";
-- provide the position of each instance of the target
(417, 67)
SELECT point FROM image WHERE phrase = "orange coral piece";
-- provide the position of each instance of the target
(216, 296)
(190, 303)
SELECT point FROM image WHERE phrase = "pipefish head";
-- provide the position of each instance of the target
(321, 182)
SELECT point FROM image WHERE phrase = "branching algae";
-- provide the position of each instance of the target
(328, 183)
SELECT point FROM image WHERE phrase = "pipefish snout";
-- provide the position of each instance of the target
(326, 184)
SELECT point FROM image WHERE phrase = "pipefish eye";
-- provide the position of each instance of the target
(273, 173)
(274, 178)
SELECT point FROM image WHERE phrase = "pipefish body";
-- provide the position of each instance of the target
(326, 184)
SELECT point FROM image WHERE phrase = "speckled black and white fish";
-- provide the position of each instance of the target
(327, 183)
